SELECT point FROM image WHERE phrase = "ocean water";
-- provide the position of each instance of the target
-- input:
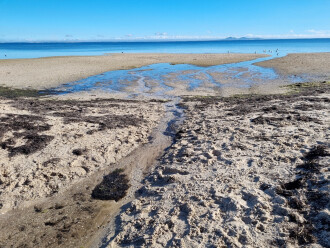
(283, 46)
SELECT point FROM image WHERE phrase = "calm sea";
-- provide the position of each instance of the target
(274, 47)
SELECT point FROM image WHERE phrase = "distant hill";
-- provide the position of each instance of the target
(242, 38)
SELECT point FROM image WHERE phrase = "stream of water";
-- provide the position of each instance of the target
(159, 80)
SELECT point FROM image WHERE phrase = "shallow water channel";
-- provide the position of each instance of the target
(161, 80)
(137, 164)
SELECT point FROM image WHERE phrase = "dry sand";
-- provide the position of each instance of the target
(55, 153)
(243, 172)
(49, 72)
(314, 64)
(47, 145)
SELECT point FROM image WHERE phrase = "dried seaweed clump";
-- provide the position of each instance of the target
(27, 128)
(113, 187)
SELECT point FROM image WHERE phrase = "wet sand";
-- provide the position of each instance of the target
(50, 72)
(314, 64)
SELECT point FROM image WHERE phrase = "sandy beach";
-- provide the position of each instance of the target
(243, 172)
(240, 167)
(165, 124)
(53, 152)
(314, 64)
(50, 72)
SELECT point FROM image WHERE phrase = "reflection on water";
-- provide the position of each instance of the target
(163, 79)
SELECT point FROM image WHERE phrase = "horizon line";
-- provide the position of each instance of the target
(160, 40)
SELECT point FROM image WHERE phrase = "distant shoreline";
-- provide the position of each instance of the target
(158, 41)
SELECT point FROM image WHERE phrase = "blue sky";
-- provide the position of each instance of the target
(89, 20)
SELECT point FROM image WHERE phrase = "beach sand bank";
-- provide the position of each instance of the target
(314, 64)
(50, 72)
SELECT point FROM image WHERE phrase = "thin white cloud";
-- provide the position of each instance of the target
(319, 32)
(291, 35)
(213, 37)
(163, 36)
